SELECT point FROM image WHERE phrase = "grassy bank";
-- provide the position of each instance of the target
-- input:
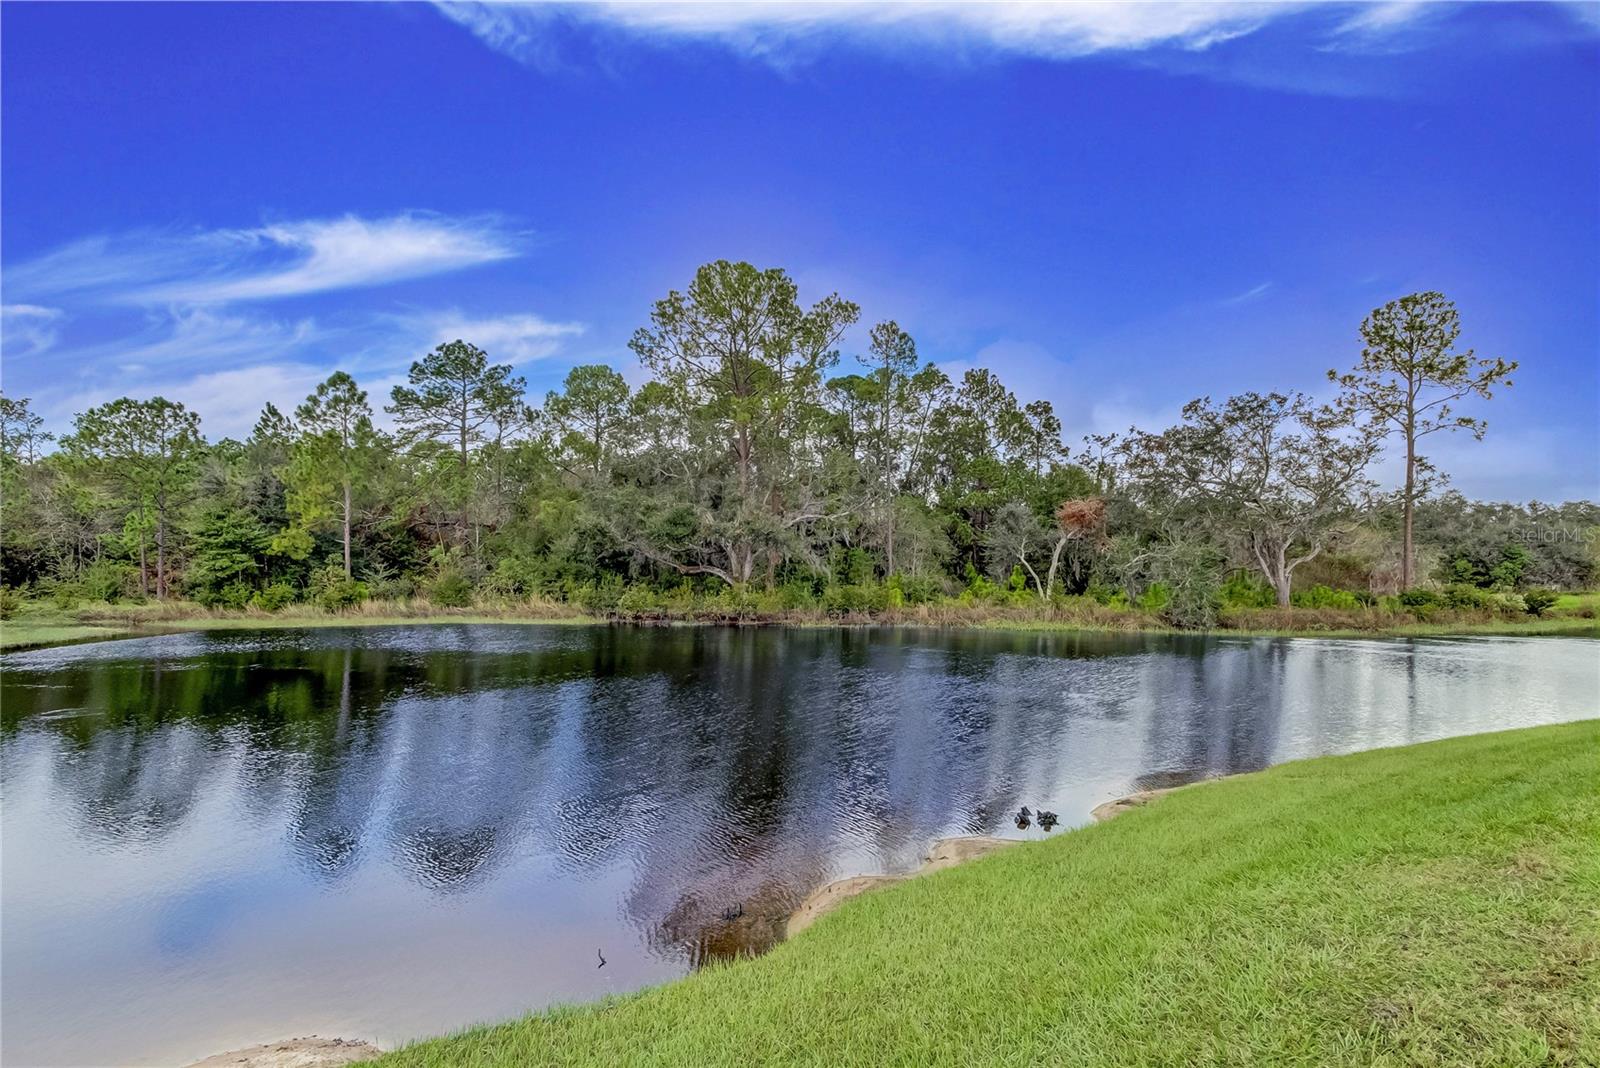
(40, 623)
(1435, 904)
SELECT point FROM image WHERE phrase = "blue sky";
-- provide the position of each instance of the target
(1117, 208)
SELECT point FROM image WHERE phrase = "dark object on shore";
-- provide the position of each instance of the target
(602, 957)
(1047, 820)
(734, 913)
(1023, 820)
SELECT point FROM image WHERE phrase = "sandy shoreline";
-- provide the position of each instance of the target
(309, 1052)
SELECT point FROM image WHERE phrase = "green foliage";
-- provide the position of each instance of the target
(227, 545)
(639, 602)
(1419, 598)
(105, 580)
(1243, 591)
(855, 599)
(1538, 600)
(915, 589)
(234, 595)
(273, 597)
(764, 471)
(11, 599)
(451, 589)
(980, 590)
(1320, 596)
(1156, 598)
(1462, 596)
(330, 589)
(345, 593)
(601, 597)
(385, 583)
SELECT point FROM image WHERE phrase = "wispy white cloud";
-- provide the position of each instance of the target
(196, 336)
(1382, 16)
(279, 260)
(1510, 464)
(1387, 28)
(27, 330)
(228, 401)
(506, 338)
(1247, 296)
(775, 31)
(226, 365)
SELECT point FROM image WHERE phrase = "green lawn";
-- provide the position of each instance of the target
(1433, 905)
(42, 626)
(1573, 602)
(30, 633)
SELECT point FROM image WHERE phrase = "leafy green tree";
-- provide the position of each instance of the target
(454, 394)
(267, 452)
(456, 397)
(972, 478)
(745, 363)
(592, 412)
(1408, 380)
(226, 549)
(886, 416)
(22, 440)
(328, 461)
(1271, 471)
(148, 450)
(1016, 538)
(22, 433)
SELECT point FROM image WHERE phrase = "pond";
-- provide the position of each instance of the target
(212, 840)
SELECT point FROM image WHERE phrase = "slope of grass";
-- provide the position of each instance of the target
(1432, 905)
(1578, 602)
(41, 625)
(30, 633)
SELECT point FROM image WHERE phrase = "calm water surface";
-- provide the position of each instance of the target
(215, 840)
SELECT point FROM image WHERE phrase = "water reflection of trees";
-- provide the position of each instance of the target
(723, 769)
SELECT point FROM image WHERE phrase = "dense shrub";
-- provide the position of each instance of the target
(1156, 598)
(797, 594)
(1245, 591)
(273, 597)
(1418, 598)
(1462, 596)
(386, 584)
(916, 589)
(980, 590)
(1539, 599)
(10, 601)
(1508, 603)
(1107, 596)
(451, 589)
(234, 595)
(334, 592)
(639, 602)
(105, 580)
(346, 593)
(601, 597)
(1191, 604)
(1320, 596)
(854, 599)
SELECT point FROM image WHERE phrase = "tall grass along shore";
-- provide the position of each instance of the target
(37, 623)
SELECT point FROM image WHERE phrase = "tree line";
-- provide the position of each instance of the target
(752, 464)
